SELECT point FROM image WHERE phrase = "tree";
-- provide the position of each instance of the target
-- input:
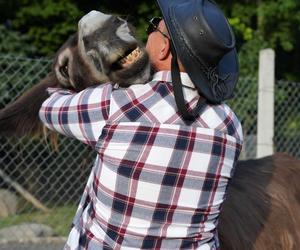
(260, 24)
(48, 23)
(13, 42)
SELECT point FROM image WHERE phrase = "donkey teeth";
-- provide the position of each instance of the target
(123, 60)
(131, 57)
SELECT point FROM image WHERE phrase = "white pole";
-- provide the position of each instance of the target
(265, 116)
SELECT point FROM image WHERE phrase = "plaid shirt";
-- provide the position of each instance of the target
(157, 182)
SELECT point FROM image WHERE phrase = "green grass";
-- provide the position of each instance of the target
(59, 219)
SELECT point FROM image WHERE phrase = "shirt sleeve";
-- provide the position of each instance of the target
(78, 115)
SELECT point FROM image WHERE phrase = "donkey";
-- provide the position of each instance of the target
(262, 207)
(81, 62)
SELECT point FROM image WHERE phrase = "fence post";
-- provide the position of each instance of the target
(265, 116)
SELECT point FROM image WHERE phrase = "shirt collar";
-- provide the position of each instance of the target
(167, 77)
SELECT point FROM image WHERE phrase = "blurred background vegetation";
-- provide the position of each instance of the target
(37, 28)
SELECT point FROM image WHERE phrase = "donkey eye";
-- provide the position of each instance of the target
(64, 71)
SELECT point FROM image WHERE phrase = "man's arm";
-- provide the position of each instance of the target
(79, 115)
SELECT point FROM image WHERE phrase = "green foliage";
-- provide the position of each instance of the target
(13, 42)
(48, 23)
(249, 55)
(268, 23)
(240, 17)
(241, 28)
(257, 24)
(279, 22)
(144, 13)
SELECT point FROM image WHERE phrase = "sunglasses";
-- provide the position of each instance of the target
(153, 26)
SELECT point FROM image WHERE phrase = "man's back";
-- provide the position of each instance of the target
(158, 181)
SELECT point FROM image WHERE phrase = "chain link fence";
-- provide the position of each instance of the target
(244, 105)
(287, 117)
(56, 178)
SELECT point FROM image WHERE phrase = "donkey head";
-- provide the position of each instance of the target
(104, 49)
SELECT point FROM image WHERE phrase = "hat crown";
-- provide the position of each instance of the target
(203, 30)
(218, 23)
(205, 44)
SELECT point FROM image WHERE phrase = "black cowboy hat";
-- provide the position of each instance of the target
(205, 44)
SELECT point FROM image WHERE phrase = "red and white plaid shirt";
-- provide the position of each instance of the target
(157, 182)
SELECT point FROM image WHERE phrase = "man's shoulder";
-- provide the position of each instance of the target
(150, 89)
(221, 117)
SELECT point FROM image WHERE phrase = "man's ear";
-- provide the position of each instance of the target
(165, 49)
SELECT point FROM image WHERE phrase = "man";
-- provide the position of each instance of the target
(165, 152)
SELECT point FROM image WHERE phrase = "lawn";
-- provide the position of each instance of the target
(59, 219)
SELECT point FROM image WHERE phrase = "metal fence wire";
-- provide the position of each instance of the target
(57, 178)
